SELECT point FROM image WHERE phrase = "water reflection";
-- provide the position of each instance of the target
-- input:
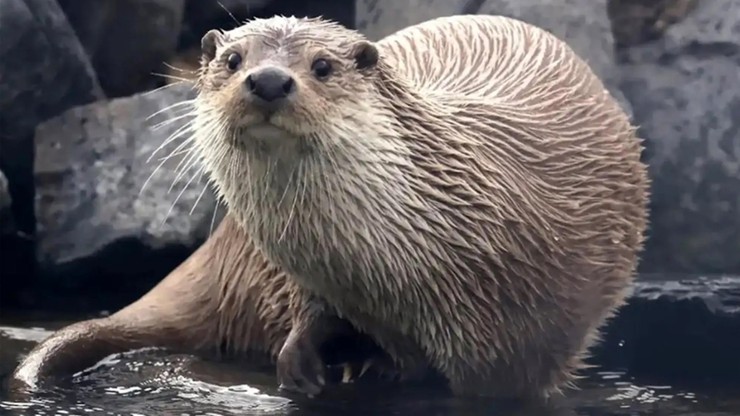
(151, 382)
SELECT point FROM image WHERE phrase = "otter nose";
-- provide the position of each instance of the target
(270, 84)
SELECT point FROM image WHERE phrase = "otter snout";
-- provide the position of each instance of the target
(270, 84)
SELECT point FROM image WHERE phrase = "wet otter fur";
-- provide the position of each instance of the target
(464, 191)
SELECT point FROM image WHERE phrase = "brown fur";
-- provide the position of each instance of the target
(474, 200)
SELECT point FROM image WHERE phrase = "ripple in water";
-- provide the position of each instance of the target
(151, 382)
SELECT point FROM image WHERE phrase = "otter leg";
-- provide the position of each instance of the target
(301, 366)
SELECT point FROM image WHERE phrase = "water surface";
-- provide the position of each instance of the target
(153, 382)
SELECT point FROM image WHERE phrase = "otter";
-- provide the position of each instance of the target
(465, 191)
(226, 300)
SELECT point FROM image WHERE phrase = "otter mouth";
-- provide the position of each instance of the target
(267, 131)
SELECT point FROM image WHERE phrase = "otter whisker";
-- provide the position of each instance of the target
(213, 218)
(229, 12)
(202, 192)
(174, 136)
(174, 154)
(182, 191)
(300, 172)
(184, 164)
(170, 107)
(159, 166)
(287, 186)
(174, 68)
(167, 76)
(171, 120)
(162, 88)
(208, 127)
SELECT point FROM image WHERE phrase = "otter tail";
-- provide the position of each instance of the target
(176, 314)
(75, 348)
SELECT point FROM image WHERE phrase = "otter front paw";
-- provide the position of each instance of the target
(300, 367)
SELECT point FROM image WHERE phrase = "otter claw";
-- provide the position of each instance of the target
(365, 367)
(347, 373)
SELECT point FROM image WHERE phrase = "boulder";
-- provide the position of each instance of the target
(98, 226)
(200, 16)
(43, 71)
(583, 24)
(639, 21)
(685, 93)
(127, 40)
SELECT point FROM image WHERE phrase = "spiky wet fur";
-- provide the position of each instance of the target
(475, 201)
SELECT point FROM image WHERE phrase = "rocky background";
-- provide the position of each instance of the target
(90, 88)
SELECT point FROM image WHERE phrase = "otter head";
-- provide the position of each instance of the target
(282, 82)
(284, 106)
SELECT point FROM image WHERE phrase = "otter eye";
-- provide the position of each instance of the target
(321, 68)
(234, 61)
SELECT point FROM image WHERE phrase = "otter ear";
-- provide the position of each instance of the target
(208, 45)
(365, 54)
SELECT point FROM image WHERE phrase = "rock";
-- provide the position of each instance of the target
(678, 330)
(211, 11)
(6, 216)
(16, 253)
(638, 21)
(583, 24)
(685, 93)
(127, 40)
(43, 71)
(200, 16)
(97, 229)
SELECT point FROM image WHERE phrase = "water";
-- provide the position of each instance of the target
(152, 382)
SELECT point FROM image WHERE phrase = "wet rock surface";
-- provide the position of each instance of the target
(97, 223)
(685, 93)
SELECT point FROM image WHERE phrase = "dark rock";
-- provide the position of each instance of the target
(6, 216)
(685, 93)
(583, 24)
(43, 71)
(127, 40)
(97, 229)
(678, 330)
(201, 16)
(199, 11)
(639, 21)
(16, 253)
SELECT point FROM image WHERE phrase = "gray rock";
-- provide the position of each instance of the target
(43, 67)
(127, 40)
(583, 24)
(91, 167)
(685, 92)
(43, 71)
